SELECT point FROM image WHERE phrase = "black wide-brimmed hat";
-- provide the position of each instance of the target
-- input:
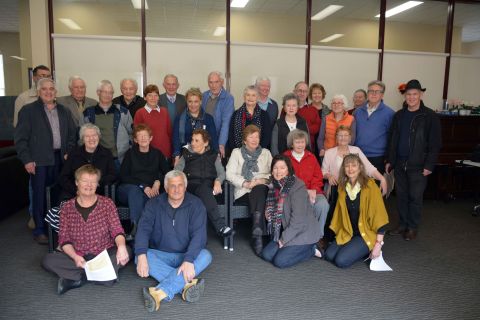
(413, 84)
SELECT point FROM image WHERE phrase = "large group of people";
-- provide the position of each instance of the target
(310, 174)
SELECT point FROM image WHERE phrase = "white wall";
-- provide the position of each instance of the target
(464, 81)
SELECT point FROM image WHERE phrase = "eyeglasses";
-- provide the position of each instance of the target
(343, 136)
(375, 91)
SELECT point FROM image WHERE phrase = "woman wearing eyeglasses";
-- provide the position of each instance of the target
(338, 117)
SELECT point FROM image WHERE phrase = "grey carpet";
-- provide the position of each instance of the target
(434, 277)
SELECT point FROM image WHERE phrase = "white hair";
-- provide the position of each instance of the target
(87, 126)
(343, 98)
(174, 174)
(40, 82)
(73, 78)
(104, 83)
(129, 79)
(217, 73)
(262, 78)
(170, 75)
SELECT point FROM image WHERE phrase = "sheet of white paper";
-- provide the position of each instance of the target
(100, 268)
(379, 264)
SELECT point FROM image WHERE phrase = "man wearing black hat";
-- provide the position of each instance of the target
(415, 140)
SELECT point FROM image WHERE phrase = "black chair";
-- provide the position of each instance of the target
(234, 211)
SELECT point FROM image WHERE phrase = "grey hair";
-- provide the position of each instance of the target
(377, 83)
(104, 83)
(174, 174)
(249, 88)
(343, 98)
(40, 82)
(87, 126)
(290, 96)
(129, 79)
(300, 82)
(262, 78)
(297, 134)
(217, 73)
(73, 78)
(170, 75)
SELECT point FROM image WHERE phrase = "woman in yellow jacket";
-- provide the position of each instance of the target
(359, 219)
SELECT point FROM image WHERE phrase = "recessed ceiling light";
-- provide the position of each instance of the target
(238, 3)
(403, 7)
(331, 9)
(137, 4)
(18, 58)
(332, 37)
(219, 31)
(70, 23)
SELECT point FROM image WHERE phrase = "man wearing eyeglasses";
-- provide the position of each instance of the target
(373, 121)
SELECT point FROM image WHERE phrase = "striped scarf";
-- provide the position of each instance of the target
(241, 119)
(278, 191)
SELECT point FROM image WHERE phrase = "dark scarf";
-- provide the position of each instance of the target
(240, 119)
(250, 164)
(278, 191)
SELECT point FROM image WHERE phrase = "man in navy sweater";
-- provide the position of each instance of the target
(373, 121)
(170, 243)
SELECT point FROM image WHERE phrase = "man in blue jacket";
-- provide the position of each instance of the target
(220, 105)
(170, 243)
(373, 121)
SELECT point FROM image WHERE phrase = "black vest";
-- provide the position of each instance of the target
(283, 132)
(200, 167)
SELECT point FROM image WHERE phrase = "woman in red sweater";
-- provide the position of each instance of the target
(157, 119)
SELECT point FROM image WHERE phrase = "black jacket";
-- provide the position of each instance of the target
(137, 103)
(425, 139)
(101, 159)
(34, 137)
(200, 167)
(281, 131)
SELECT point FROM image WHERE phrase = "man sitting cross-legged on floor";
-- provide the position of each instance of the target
(170, 243)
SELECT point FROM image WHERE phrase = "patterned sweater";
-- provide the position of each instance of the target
(94, 235)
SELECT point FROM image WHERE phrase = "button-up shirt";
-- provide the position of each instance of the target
(52, 116)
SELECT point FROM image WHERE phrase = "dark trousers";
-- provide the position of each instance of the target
(64, 267)
(204, 190)
(329, 235)
(287, 256)
(255, 200)
(378, 162)
(409, 187)
(343, 256)
(43, 177)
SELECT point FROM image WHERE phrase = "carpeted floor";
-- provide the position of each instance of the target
(436, 276)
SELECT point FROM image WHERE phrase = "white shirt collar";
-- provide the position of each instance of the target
(147, 107)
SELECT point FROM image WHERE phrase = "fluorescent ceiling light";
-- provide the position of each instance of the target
(405, 6)
(332, 37)
(219, 31)
(137, 4)
(238, 3)
(18, 58)
(331, 9)
(70, 23)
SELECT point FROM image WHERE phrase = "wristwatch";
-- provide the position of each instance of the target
(380, 242)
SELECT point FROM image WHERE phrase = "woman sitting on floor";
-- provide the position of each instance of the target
(140, 174)
(89, 224)
(205, 175)
(292, 225)
(308, 170)
(89, 152)
(360, 217)
(249, 171)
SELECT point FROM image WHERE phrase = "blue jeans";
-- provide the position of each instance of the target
(343, 256)
(134, 197)
(287, 256)
(320, 208)
(163, 267)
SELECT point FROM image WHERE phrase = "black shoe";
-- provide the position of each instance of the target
(226, 232)
(399, 231)
(257, 245)
(256, 229)
(65, 284)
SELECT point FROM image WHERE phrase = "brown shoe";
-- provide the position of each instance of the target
(41, 239)
(410, 235)
(152, 298)
(399, 231)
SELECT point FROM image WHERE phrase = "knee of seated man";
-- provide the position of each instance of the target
(205, 256)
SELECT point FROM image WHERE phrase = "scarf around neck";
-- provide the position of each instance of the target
(278, 191)
(240, 119)
(250, 163)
